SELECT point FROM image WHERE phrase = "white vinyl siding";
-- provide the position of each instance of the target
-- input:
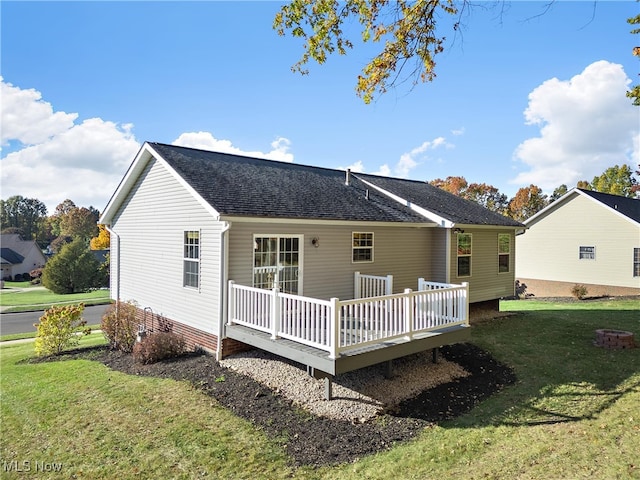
(549, 249)
(404, 252)
(151, 250)
(485, 281)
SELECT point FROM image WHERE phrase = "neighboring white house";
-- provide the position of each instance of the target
(19, 256)
(584, 237)
(186, 222)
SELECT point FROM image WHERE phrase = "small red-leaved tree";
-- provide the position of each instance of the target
(119, 325)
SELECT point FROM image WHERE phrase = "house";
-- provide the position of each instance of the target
(200, 239)
(584, 237)
(19, 257)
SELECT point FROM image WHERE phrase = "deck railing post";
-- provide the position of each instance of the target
(334, 328)
(356, 285)
(466, 302)
(408, 312)
(389, 285)
(275, 313)
(231, 307)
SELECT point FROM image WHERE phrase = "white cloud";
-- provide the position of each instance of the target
(206, 141)
(458, 131)
(408, 161)
(357, 167)
(27, 118)
(58, 158)
(587, 124)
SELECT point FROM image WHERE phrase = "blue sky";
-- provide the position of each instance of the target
(522, 95)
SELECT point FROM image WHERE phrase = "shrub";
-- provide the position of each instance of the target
(119, 325)
(59, 328)
(579, 291)
(17, 277)
(159, 346)
(73, 270)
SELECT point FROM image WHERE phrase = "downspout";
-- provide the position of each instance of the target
(224, 274)
(448, 247)
(113, 234)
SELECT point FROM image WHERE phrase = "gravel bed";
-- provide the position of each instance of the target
(358, 396)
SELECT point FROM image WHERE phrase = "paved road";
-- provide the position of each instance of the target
(23, 322)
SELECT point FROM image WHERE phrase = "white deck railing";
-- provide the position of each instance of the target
(371, 285)
(336, 326)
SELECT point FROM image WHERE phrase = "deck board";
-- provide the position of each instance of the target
(352, 359)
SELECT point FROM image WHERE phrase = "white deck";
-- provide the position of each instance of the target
(337, 329)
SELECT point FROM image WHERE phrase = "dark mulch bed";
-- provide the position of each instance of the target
(312, 440)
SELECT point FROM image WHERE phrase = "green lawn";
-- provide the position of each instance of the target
(22, 296)
(573, 413)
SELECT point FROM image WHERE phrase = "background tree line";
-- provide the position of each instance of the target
(617, 180)
(68, 236)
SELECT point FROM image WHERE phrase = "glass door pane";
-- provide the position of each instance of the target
(276, 263)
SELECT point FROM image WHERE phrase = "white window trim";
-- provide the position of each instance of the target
(372, 248)
(300, 238)
(503, 253)
(470, 255)
(192, 260)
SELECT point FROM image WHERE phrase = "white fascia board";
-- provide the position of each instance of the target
(319, 221)
(143, 157)
(138, 164)
(441, 221)
(562, 199)
(551, 206)
(612, 210)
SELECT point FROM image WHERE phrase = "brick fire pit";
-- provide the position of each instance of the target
(614, 339)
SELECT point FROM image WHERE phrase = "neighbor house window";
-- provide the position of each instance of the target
(504, 252)
(464, 254)
(587, 253)
(636, 262)
(191, 259)
(362, 244)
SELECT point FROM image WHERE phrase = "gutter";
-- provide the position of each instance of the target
(113, 234)
(117, 279)
(224, 273)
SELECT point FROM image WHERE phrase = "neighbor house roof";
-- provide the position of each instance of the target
(235, 185)
(624, 206)
(10, 257)
(629, 207)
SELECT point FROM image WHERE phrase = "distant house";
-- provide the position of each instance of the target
(585, 237)
(19, 256)
(201, 239)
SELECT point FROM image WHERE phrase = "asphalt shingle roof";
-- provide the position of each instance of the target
(440, 202)
(10, 257)
(629, 207)
(243, 186)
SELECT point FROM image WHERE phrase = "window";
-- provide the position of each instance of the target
(504, 252)
(464, 254)
(191, 259)
(276, 263)
(362, 247)
(636, 262)
(587, 253)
